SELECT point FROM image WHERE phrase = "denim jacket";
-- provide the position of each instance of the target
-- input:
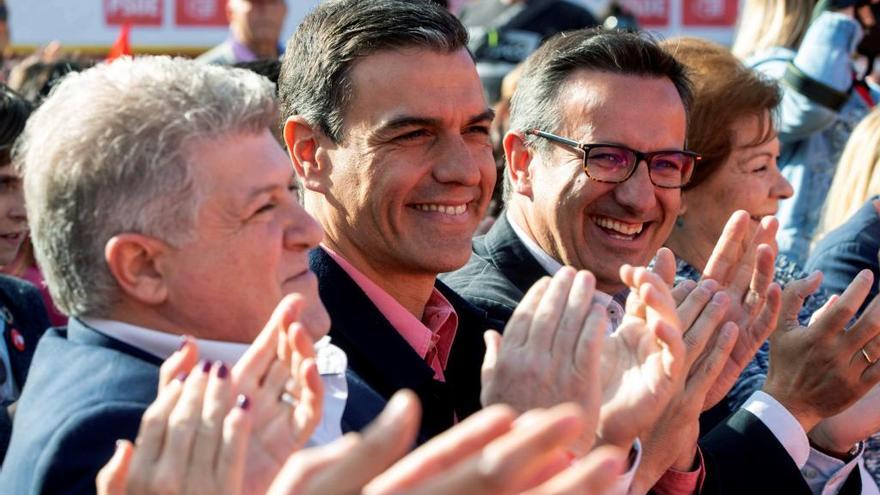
(812, 136)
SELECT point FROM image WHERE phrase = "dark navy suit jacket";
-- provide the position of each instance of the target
(26, 314)
(847, 250)
(742, 455)
(84, 392)
(381, 362)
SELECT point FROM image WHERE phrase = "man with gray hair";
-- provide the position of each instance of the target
(160, 206)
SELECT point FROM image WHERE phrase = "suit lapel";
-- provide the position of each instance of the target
(381, 362)
(510, 255)
(377, 354)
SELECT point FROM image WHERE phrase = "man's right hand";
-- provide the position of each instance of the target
(819, 370)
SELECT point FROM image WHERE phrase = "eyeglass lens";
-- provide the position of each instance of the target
(613, 164)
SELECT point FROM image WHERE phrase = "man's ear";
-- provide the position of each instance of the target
(683, 208)
(134, 261)
(519, 160)
(306, 154)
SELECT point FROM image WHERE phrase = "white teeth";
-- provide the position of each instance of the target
(448, 210)
(623, 228)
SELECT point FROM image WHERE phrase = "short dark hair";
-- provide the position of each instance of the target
(14, 112)
(534, 104)
(314, 80)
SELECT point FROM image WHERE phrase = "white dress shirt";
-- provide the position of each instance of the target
(331, 360)
(824, 474)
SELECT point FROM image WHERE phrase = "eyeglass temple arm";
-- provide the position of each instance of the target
(554, 137)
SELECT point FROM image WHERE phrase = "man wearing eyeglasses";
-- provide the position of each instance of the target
(596, 157)
(592, 181)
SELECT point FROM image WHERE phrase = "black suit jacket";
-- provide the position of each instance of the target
(499, 273)
(84, 392)
(381, 362)
(741, 454)
(24, 312)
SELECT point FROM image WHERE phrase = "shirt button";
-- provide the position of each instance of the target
(810, 473)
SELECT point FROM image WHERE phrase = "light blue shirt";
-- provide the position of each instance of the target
(812, 136)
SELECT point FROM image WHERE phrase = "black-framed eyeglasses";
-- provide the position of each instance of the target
(615, 163)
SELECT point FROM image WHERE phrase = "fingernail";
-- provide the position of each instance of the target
(181, 377)
(205, 365)
(222, 371)
(243, 402)
(118, 444)
(397, 405)
(183, 342)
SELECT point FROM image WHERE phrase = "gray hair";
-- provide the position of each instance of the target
(314, 81)
(106, 154)
(535, 103)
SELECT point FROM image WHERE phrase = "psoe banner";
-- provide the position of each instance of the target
(169, 26)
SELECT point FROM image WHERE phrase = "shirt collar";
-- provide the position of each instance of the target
(437, 327)
(244, 54)
(614, 304)
(330, 359)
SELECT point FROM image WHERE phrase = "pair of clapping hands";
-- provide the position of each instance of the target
(214, 430)
(677, 353)
(680, 350)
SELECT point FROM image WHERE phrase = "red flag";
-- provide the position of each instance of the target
(121, 47)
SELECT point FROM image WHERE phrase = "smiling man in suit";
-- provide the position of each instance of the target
(388, 130)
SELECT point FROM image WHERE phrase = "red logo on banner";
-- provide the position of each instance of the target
(201, 13)
(710, 12)
(135, 12)
(649, 13)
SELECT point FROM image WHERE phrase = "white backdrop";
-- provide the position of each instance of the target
(94, 24)
(84, 23)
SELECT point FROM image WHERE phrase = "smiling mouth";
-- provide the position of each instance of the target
(12, 237)
(444, 209)
(617, 229)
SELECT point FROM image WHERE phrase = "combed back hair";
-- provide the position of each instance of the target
(857, 178)
(108, 153)
(315, 75)
(725, 91)
(535, 103)
(767, 24)
(14, 112)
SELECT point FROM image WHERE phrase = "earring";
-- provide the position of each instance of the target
(679, 221)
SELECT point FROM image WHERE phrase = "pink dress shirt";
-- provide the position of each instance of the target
(431, 337)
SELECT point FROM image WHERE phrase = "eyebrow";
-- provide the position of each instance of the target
(410, 121)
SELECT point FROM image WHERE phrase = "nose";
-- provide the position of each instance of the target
(637, 194)
(304, 232)
(782, 188)
(17, 211)
(455, 164)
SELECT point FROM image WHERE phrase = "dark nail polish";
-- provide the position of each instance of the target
(181, 377)
(205, 365)
(243, 402)
(222, 371)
